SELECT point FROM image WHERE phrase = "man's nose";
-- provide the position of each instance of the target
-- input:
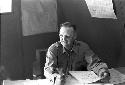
(63, 38)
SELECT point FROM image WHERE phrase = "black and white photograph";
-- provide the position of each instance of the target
(62, 42)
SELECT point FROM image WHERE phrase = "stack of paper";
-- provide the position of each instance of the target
(116, 76)
(85, 76)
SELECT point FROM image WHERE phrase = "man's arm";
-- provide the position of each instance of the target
(100, 68)
(51, 70)
(96, 64)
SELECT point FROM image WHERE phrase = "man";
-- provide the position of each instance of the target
(68, 54)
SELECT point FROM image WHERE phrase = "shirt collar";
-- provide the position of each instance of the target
(74, 48)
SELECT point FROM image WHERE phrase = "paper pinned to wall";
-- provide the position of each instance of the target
(101, 8)
(5, 6)
(38, 16)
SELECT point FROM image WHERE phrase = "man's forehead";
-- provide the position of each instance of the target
(66, 30)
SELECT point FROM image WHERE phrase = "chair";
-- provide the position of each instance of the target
(38, 65)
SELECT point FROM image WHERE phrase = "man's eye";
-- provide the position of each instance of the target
(68, 37)
(65, 36)
(60, 36)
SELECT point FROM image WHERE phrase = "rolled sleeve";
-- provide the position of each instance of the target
(50, 64)
(95, 64)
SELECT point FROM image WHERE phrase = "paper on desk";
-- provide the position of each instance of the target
(85, 76)
(44, 82)
(38, 82)
(28, 82)
(16, 82)
(116, 76)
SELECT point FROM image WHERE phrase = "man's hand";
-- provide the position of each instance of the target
(59, 75)
(59, 79)
(104, 75)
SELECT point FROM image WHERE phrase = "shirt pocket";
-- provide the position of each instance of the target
(80, 64)
(62, 60)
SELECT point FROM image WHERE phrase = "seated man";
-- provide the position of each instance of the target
(68, 54)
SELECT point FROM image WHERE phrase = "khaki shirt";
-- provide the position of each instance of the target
(58, 59)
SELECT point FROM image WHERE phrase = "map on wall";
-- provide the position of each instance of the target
(38, 16)
(101, 8)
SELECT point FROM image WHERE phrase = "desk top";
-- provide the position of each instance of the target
(70, 80)
(45, 82)
(121, 69)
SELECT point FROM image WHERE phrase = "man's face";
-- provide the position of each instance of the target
(67, 36)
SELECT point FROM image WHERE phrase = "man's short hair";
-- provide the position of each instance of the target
(68, 24)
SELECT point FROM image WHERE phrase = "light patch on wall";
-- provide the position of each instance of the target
(101, 8)
(5, 6)
(38, 16)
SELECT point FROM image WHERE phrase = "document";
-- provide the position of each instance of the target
(5, 6)
(38, 16)
(101, 8)
(85, 76)
(116, 76)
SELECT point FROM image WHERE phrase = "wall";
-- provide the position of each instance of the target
(0, 38)
(11, 42)
(103, 35)
(121, 62)
(18, 52)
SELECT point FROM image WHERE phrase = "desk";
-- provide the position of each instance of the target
(44, 82)
(121, 70)
(117, 78)
(28, 82)
(69, 81)
(72, 81)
